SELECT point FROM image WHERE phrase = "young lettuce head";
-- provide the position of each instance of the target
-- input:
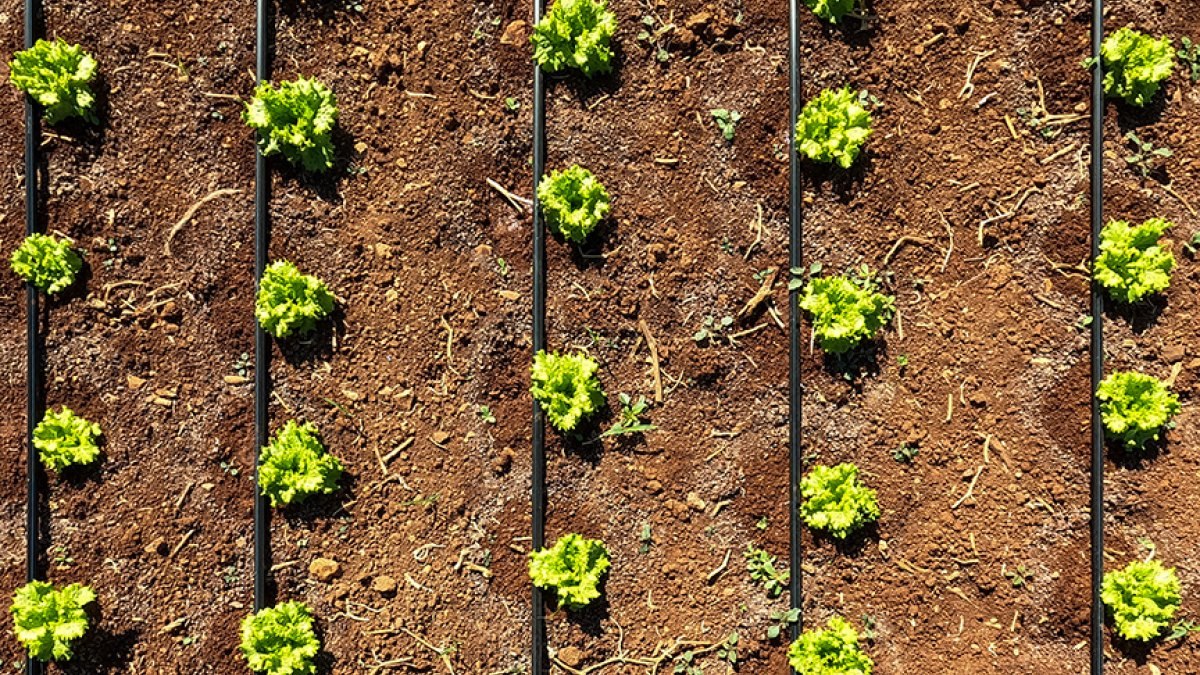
(830, 10)
(835, 502)
(1132, 264)
(289, 302)
(1135, 65)
(845, 312)
(567, 388)
(1135, 407)
(280, 640)
(65, 439)
(574, 202)
(47, 262)
(575, 34)
(1142, 599)
(572, 569)
(48, 621)
(295, 465)
(833, 127)
(57, 76)
(832, 650)
(295, 119)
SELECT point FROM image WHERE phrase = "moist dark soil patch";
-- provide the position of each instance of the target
(430, 265)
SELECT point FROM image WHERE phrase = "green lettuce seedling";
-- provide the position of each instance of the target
(1141, 599)
(295, 465)
(280, 640)
(567, 388)
(1135, 65)
(832, 650)
(1132, 264)
(46, 262)
(846, 311)
(48, 621)
(57, 76)
(571, 569)
(834, 500)
(575, 34)
(574, 202)
(65, 439)
(830, 10)
(1135, 407)
(295, 119)
(289, 302)
(833, 127)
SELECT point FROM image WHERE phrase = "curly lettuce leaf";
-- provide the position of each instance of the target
(1142, 598)
(295, 465)
(830, 10)
(289, 302)
(575, 34)
(48, 621)
(65, 439)
(572, 569)
(280, 640)
(833, 127)
(1136, 65)
(574, 202)
(1132, 264)
(567, 387)
(832, 650)
(47, 262)
(1135, 407)
(56, 75)
(845, 313)
(295, 119)
(835, 502)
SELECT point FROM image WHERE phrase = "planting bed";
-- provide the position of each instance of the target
(970, 417)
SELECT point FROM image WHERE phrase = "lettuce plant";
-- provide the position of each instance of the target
(575, 34)
(567, 388)
(846, 311)
(295, 465)
(833, 127)
(65, 439)
(280, 640)
(1132, 264)
(289, 302)
(47, 262)
(49, 620)
(832, 650)
(574, 202)
(295, 119)
(571, 569)
(1135, 65)
(830, 10)
(57, 76)
(1142, 598)
(1135, 407)
(834, 500)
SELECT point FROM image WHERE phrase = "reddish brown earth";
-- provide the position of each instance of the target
(431, 541)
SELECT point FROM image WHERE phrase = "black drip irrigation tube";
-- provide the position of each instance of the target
(539, 655)
(795, 261)
(1097, 349)
(262, 345)
(33, 338)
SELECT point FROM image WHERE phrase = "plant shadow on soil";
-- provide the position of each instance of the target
(88, 137)
(855, 542)
(590, 254)
(323, 507)
(590, 619)
(590, 89)
(1141, 316)
(317, 345)
(845, 184)
(854, 365)
(585, 442)
(1132, 460)
(100, 650)
(326, 185)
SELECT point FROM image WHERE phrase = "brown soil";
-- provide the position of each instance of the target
(431, 326)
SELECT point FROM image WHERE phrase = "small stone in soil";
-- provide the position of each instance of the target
(324, 569)
(384, 585)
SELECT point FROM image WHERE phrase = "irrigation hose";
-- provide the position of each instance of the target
(796, 261)
(33, 341)
(539, 652)
(262, 345)
(1097, 353)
